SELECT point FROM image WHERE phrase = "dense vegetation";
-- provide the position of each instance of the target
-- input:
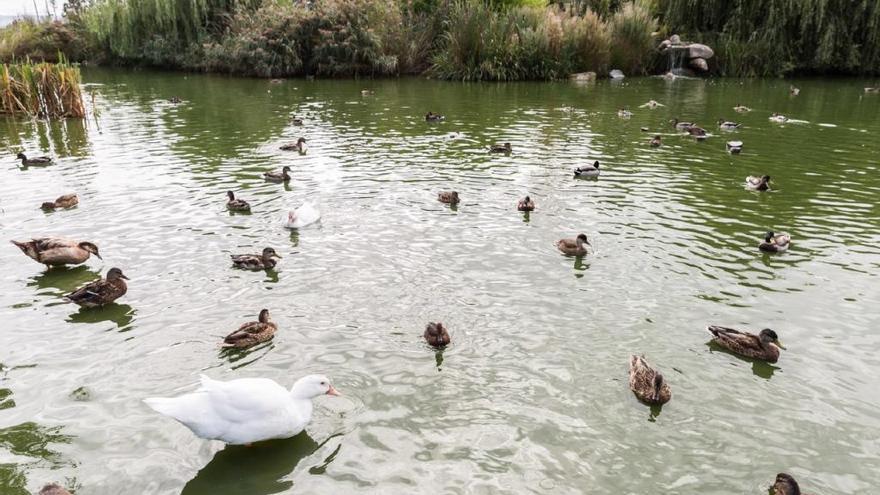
(456, 39)
(41, 89)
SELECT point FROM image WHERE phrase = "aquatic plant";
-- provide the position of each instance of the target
(41, 89)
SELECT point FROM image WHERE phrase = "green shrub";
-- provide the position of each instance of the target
(43, 40)
(631, 38)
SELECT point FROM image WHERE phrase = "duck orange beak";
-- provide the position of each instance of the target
(333, 391)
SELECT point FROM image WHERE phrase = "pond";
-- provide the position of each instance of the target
(532, 396)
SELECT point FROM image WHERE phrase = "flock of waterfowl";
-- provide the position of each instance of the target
(244, 411)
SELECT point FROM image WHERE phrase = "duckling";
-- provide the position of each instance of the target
(734, 147)
(652, 104)
(175, 100)
(655, 142)
(574, 247)
(448, 197)
(588, 170)
(278, 175)
(741, 109)
(40, 160)
(748, 344)
(56, 251)
(681, 126)
(434, 117)
(53, 489)
(872, 90)
(252, 332)
(300, 146)
(265, 261)
(728, 125)
(525, 204)
(500, 148)
(793, 91)
(101, 292)
(781, 119)
(775, 243)
(236, 204)
(436, 335)
(785, 484)
(296, 120)
(647, 383)
(367, 92)
(624, 113)
(755, 183)
(66, 201)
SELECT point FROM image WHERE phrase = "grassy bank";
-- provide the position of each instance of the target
(456, 39)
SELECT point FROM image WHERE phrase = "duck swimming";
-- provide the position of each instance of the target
(448, 197)
(728, 125)
(525, 204)
(246, 410)
(681, 126)
(872, 90)
(756, 183)
(647, 383)
(303, 216)
(278, 175)
(66, 201)
(300, 146)
(652, 104)
(56, 251)
(574, 247)
(781, 119)
(624, 113)
(655, 141)
(367, 92)
(588, 170)
(296, 120)
(433, 117)
(785, 484)
(741, 109)
(793, 91)
(734, 147)
(252, 332)
(265, 261)
(39, 160)
(436, 335)
(500, 148)
(236, 204)
(775, 243)
(175, 100)
(764, 346)
(101, 292)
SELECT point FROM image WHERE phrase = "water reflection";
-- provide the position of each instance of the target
(120, 314)
(63, 278)
(256, 470)
(760, 368)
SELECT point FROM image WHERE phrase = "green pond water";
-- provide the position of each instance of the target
(532, 396)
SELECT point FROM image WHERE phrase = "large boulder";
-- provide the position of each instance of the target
(698, 50)
(583, 76)
(698, 64)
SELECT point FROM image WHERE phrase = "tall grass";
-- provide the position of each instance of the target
(632, 41)
(41, 89)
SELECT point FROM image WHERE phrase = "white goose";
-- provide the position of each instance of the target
(247, 410)
(305, 215)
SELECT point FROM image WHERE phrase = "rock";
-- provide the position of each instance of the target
(81, 394)
(675, 39)
(699, 64)
(616, 74)
(664, 45)
(698, 50)
(583, 76)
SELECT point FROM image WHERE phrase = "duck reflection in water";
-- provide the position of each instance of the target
(64, 278)
(257, 470)
(760, 368)
(120, 314)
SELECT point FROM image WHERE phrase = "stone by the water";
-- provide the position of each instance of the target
(698, 50)
(583, 76)
(699, 64)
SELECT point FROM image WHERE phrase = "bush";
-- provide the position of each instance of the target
(632, 41)
(43, 40)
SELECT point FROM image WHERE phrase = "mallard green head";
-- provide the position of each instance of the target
(769, 236)
(21, 156)
(769, 337)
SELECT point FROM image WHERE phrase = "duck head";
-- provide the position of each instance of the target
(582, 239)
(658, 385)
(269, 253)
(769, 337)
(765, 179)
(785, 484)
(596, 164)
(90, 247)
(286, 168)
(455, 196)
(769, 236)
(231, 195)
(264, 316)
(311, 386)
(300, 141)
(48, 205)
(21, 156)
(115, 274)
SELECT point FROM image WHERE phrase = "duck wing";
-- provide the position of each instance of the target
(249, 331)
(734, 339)
(98, 293)
(641, 377)
(247, 261)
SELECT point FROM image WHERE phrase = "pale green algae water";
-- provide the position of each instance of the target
(532, 396)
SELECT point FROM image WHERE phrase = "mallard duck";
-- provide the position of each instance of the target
(433, 117)
(764, 346)
(624, 113)
(55, 251)
(872, 90)
(785, 484)
(741, 109)
(728, 125)
(175, 100)
(265, 261)
(500, 148)
(681, 126)
(756, 183)
(588, 170)
(296, 120)
(647, 383)
(101, 292)
(367, 92)
(734, 147)
(778, 118)
(53, 489)
(236, 204)
(448, 197)
(655, 142)
(574, 247)
(775, 243)
(793, 91)
(246, 410)
(278, 175)
(525, 204)
(436, 335)
(66, 201)
(252, 332)
(39, 160)
(300, 146)
(696, 131)
(652, 104)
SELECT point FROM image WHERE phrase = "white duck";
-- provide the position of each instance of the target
(305, 215)
(246, 410)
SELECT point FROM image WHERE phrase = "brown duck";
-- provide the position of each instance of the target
(647, 383)
(236, 204)
(785, 484)
(448, 197)
(264, 261)
(66, 201)
(100, 292)
(436, 335)
(526, 204)
(53, 489)
(56, 251)
(252, 332)
(300, 146)
(278, 175)
(574, 247)
(764, 346)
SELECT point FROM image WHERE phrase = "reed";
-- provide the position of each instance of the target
(41, 89)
